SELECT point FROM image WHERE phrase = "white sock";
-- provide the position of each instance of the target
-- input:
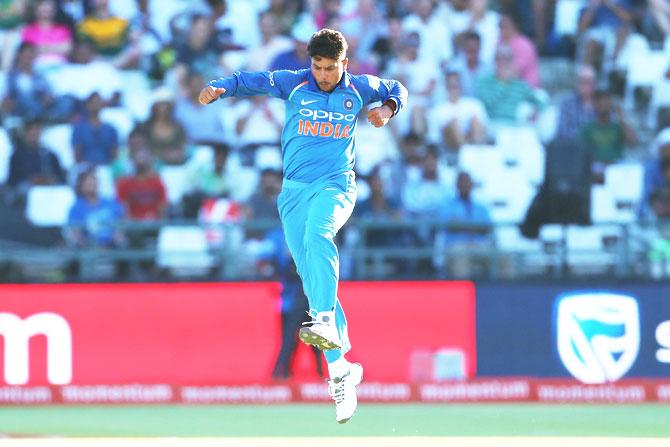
(338, 368)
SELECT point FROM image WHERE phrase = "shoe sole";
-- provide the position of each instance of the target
(311, 338)
(344, 421)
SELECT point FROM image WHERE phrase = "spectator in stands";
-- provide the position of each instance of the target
(655, 172)
(109, 34)
(86, 75)
(94, 141)
(425, 196)
(599, 23)
(459, 120)
(434, 37)
(199, 50)
(467, 238)
(123, 166)
(467, 16)
(29, 95)
(53, 40)
(209, 180)
(364, 25)
(203, 125)
(263, 203)
(468, 62)
(235, 24)
(420, 77)
(659, 11)
(608, 135)
(577, 109)
(93, 220)
(387, 47)
(272, 44)
(165, 137)
(142, 193)
(284, 14)
(525, 55)
(503, 92)
(380, 205)
(32, 164)
(12, 17)
(295, 58)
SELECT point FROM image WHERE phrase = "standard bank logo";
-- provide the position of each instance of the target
(597, 334)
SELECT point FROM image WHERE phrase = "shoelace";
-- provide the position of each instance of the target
(336, 389)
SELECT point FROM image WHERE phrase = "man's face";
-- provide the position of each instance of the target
(586, 84)
(471, 48)
(328, 72)
(504, 66)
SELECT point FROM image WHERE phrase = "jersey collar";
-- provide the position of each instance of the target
(344, 82)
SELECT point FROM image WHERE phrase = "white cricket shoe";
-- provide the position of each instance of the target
(321, 331)
(343, 391)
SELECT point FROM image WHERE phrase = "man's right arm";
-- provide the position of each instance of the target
(273, 83)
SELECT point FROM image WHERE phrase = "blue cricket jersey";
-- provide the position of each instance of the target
(319, 128)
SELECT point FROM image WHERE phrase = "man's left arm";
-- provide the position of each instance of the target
(391, 93)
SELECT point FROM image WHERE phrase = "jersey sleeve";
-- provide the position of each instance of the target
(375, 89)
(277, 84)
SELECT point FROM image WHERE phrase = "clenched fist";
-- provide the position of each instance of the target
(379, 116)
(209, 94)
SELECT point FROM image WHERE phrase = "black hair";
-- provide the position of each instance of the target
(328, 43)
(472, 35)
(601, 93)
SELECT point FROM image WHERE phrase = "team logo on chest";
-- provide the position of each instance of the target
(348, 104)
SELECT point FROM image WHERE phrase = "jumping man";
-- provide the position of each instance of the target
(319, 187)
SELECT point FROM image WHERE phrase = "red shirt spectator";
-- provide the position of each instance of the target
(143, 194)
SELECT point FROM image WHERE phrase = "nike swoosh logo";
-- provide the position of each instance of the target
(304, 103)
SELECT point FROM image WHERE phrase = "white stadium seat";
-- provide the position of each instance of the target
(176, 181)
(587, 249)
(5, 155)
(184, 250)
(106, 186)
(58, 138)
(49, 206)
(120, 119)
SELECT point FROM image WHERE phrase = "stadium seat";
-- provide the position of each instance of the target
(106, 186)
(604, 207)
(202, 154)
(567, 17)
(268, 157)
(136, 94)
(480, 161)
(592, 249)
(176, 181)
(625, 183)
(5, 155)
(184, 251)
(49, 206)
(644, 71)
(507, 195)
(522, 147)
(120, 119)
(58, 138)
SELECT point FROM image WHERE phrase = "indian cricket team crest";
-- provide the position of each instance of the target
(348, 103)
(597, 335)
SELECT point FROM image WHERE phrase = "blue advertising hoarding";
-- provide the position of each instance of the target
(595, 333)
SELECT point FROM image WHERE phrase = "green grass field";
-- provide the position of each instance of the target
(371, 420)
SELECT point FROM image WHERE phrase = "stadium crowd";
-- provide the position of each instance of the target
(509, 100)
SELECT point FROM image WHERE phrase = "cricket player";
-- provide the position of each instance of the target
(319, 187)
